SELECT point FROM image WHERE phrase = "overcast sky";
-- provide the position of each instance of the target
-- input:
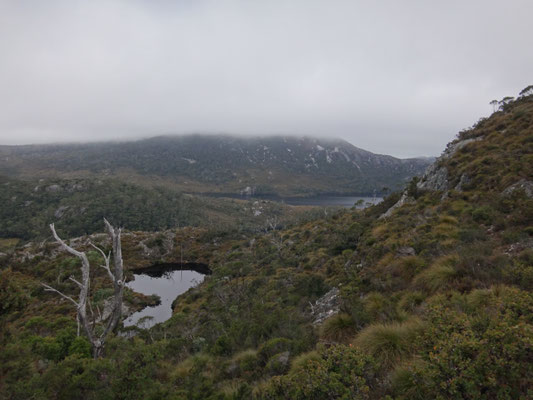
(392, 77)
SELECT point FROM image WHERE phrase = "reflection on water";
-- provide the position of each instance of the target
(340, 201)
(167, 286)
(321, 200)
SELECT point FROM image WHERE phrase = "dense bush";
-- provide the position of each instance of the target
(340, 372)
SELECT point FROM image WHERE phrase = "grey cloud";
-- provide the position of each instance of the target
(392, 77)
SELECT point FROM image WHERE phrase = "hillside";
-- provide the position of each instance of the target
(221, 163)
(79, 205)
(426, 295)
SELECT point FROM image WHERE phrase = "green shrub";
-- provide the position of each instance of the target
(299, 362)
(462, 361)
(341, 372)
(81, 347)
(222, 346)
(278, 364)
(275, 346)
(14, 288)
(407, 383)
(483, 215)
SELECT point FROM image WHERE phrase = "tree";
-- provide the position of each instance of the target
(506, 100)
(117, 277)
(494, 103)
(273, 224)
(528, 90)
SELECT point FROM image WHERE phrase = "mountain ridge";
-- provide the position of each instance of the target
(199, 163)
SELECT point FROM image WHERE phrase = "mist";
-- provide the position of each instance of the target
(399, 78)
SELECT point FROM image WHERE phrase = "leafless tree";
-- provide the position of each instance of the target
(97, 340)
(273, 225)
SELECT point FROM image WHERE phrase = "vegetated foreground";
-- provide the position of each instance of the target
(426, 295)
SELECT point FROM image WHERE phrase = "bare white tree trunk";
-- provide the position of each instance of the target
(117, 277)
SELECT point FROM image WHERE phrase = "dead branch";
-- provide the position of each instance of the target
(51, 289)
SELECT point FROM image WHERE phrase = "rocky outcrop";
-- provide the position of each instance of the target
(60, 211)
(158, 246)
(403, 200)
(325, 307)
(525, 185)
(405, 251)
(436, 176)
(465, 180)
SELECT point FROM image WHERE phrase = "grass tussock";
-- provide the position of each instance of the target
(340, 328)
(438, 276)
(388, 343)
(303, 359)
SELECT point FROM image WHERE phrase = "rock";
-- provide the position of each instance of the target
(41, 365)
(515, 248)
(403, 200)
(435, 179)
(53, 188)
(522, 184)
(60, 211)
(465, 180)
(325, 307)
(158, 251)
(406, 251)
(436, 176)
(247, 191)
(454, 147)
(283, 358)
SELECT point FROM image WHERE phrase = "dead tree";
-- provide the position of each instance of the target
(273, 224)
(83, 303)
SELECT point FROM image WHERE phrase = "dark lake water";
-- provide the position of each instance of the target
(322, 200)
(329, 201)
(167, 285)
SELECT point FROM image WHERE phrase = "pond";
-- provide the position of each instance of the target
(168, 281)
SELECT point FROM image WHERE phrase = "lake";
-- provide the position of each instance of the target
(332, 201)
(167, 284)
(321, 201)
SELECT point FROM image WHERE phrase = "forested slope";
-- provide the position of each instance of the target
(79, 205)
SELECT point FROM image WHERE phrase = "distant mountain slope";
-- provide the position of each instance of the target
(79, 205)
(222, 163)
